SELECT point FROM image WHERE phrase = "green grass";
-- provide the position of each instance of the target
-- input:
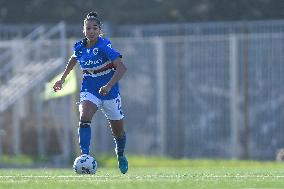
(153, 172)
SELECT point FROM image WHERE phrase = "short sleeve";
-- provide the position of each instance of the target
(111, 53)
(77, 50)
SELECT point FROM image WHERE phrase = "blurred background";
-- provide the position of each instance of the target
(205, 78)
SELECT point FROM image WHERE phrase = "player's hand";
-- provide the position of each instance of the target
(58, 85)
(104, 90)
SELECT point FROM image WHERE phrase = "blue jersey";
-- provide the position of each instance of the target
(96, 58)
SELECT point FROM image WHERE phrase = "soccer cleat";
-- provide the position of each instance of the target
(122, 164)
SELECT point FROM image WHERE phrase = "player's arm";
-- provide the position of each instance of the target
(70, 65)
(120, 69)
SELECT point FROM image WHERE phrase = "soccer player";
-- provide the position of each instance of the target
(102, 68)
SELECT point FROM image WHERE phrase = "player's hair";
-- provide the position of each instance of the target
(93, 16)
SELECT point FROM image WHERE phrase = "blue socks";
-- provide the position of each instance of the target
(120, 145)
(84, 133)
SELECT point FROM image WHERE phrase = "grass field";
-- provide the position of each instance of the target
(153, 173)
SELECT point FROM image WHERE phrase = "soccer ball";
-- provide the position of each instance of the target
(85, 164)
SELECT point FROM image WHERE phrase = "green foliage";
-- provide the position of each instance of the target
(21, 160)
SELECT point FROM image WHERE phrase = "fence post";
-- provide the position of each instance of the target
(161, 93)
(2, 133)
(16, 131)
(63, 40)
(234, 97)
(16, 118)
(39, 123)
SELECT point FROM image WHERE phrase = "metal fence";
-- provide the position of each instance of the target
(197, 96)
(212, 28)
(26, 64)
(205, 96)
(8, 32)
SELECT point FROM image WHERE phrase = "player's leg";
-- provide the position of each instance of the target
(120, 141)
(118, 135)
(87, 109)
(113, 112)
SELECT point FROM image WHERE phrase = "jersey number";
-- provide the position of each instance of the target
(118, 104)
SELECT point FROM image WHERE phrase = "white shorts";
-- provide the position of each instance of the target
(111, 108)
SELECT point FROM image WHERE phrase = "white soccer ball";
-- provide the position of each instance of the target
(85, 164)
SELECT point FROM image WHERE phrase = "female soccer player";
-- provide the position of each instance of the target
(102, 68)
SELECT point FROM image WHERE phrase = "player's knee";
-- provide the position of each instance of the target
(86, 114)
(84, 124)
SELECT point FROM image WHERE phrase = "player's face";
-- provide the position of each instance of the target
(91, 30)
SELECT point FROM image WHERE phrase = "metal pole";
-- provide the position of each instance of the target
(161, 76)
(246, 131)
(180, 82)
(16, 130)
(39, 122)
(66, 125)
(2, 133)
(16, 112)
(63, 40)
(234, 97)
